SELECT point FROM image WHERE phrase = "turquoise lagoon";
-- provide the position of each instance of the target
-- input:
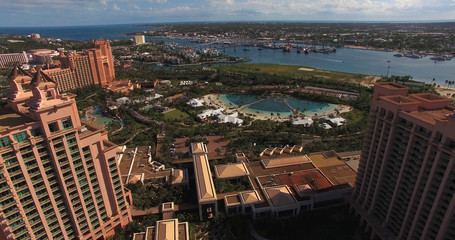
(102, 121)
(281, 104)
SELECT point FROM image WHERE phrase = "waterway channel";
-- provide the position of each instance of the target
(344, 60)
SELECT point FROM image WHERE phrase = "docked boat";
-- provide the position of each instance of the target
(415, 56)
(287, 48)
(441, 58)
(398, 55)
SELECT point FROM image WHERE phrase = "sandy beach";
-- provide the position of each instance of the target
(446, 92)
(213, 100)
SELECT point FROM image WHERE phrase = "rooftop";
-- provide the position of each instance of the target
(325, 159)
(232, 200)
(390, 85)
(400, 100)
(213, 142)
(250, 197)
(284, 160)
(280, 196)
(139, 236)
(198, 148)
(431, 117)
(314, 178)
(9, 118)
(150, 233)
(169, 229)
(256, 169)
(353, 163)
(204, 181)
(231, 170)
(135, 161)
(340, 174)
(180, 176)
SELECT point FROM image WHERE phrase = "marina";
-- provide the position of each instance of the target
(350, 60)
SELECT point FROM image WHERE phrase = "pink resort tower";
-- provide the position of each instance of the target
(58, 177)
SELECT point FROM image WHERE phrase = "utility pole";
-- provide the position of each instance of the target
(388, 68)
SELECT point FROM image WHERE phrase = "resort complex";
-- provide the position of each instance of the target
(283, 183)
(162, 133)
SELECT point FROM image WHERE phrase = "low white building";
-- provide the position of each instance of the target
(186, 83)
(326, 126)
(338, 121)
(222, 118)
(232, 118)
(122, 100)
(195, 102)
(210, 112)
(305, 121)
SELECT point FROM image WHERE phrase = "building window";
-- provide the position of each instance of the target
(20, 137)
(53, 127)
(4, 142)
(67, 124)
(36, 132)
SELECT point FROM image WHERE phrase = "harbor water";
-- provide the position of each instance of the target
(344, 60)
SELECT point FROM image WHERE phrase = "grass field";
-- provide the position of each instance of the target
(302, 72)
(176, 114)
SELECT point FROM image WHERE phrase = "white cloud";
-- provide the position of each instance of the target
(84, 11)
(157, 1)
(228, 2)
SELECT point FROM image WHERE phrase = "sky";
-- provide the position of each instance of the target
(22, 13)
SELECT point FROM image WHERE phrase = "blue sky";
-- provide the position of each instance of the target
(16, 13)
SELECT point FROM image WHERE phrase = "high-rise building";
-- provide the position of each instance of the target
(35, 35)
(59, 177)
(94, 66)
(139, 39)
(8, 60)
(406, 178)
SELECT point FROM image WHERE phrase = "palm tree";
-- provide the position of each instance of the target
(447, 82)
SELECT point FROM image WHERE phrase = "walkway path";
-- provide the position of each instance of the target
(249, 104)
(289, 106)
(254, 233)
(132, 137)
(135, 212)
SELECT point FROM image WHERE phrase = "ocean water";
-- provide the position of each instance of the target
(111, 32)
(344, 60)
(276, 104)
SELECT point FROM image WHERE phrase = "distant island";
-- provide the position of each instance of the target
(421, 38)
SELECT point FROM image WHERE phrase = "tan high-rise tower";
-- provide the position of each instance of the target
(406, 180)
(94, 66)
(58, 176)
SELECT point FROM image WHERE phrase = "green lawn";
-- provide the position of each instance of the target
(176, 114)
(293, 71)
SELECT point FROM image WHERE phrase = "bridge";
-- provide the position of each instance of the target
(290, 107)
(249, 104)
